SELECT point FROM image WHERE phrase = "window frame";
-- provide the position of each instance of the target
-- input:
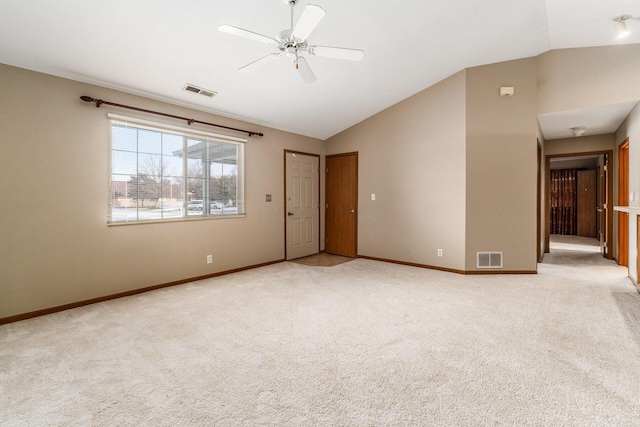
(188, 137)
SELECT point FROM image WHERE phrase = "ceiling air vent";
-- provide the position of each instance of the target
(199, 90)
(489, 259)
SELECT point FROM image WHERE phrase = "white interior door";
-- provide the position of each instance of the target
(302, 196)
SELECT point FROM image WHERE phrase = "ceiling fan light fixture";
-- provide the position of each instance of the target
(291, 52)
(621, 26)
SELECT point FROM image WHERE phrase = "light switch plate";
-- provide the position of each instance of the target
(373, 196)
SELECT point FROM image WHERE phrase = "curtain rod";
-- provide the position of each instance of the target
(99, 102)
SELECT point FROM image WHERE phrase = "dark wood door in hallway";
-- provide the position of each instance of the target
(341, 218)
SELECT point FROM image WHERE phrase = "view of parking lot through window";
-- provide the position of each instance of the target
(158, 174)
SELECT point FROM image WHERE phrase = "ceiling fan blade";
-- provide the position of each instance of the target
(337, 52)
(304, 70)
(310, 18)
(260, 62)
(247, 34)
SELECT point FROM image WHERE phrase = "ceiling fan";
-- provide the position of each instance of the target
(292, 42)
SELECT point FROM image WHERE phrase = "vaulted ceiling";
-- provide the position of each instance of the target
(155, 47)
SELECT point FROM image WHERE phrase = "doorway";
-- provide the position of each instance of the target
(585, 211)
(302, 204)
(341, 219)
(623, 200)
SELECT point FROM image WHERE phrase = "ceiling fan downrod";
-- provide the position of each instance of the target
(292, 3)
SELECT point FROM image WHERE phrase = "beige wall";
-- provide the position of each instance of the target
(500, 159)
(501, 164)
(574, 79)
(584, 144)
(55, 246)
(412, 157)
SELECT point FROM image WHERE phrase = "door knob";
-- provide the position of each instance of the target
(352, 211)
(290, 214)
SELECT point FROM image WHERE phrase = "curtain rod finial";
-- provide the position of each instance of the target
(90, 99)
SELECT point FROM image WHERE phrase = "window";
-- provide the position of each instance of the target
(159, 172)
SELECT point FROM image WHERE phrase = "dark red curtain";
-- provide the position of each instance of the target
(564, 204)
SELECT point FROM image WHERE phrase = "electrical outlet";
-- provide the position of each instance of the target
(268, 198)
(440, 253)
(209, 259)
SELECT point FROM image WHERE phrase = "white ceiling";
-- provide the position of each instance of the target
(597, 121)
(154, 47)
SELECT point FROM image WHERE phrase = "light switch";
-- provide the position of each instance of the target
(632, 196)
(373, 196)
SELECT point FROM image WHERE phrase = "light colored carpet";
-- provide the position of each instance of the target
(574, 243)
(360, 344)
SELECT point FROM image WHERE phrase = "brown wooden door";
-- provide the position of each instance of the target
(623, 200)
(586, 199)
(341, 217)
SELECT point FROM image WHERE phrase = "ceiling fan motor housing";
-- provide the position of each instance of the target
(290, 45)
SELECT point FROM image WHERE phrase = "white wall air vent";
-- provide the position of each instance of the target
(199, 90)
(489, 259)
